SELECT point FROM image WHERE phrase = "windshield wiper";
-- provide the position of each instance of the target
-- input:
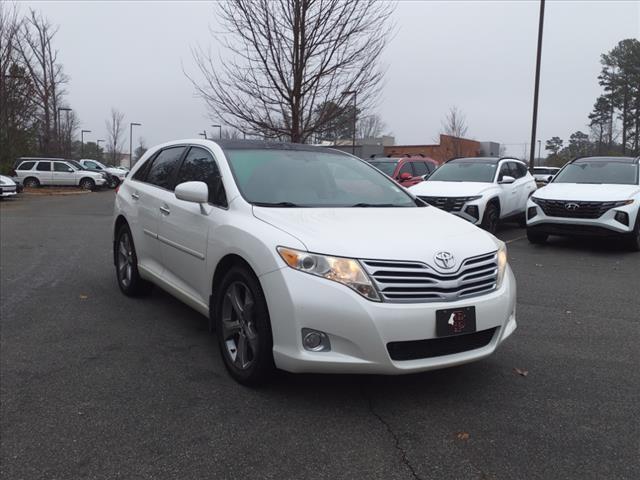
(276, 204)
(379, 205)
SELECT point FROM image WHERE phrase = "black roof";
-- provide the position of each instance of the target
(476, 160)
(606, 159)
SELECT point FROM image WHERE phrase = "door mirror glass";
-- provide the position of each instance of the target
(196, 192)
(507, 179)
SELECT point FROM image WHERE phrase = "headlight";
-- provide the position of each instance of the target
(471, 199)
(342, 270)
(535, 200)
(502, 263)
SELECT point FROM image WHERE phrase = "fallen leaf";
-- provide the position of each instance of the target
(521, 372)
(83, 297)
(538, 264)
(568, 312)
(462, 436)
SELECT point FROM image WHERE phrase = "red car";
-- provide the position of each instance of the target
(406, 170)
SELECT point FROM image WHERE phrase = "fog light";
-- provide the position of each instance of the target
(622, 217)
(472, 210)
(315, 340)
(532, 212)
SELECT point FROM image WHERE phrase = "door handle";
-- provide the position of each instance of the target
(135, 196)
(165, 210)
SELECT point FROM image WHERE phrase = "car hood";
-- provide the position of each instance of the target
(415, 234)
(450, 189)
(116, 171)
(587, 192)
(6, 180)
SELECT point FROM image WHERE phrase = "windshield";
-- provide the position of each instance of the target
(613, 172)
(300, 178)
(76, 165)
(386, 166)
(471, 171)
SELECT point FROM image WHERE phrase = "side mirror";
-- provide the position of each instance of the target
(70, 170)
(507, 179)
(405, 176)
(194, 192)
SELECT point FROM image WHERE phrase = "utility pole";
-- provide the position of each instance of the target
(536, 88)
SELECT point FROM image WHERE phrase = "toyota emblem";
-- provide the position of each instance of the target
(444, 260)
(571, 206)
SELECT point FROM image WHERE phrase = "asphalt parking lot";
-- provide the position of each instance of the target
(97, 385)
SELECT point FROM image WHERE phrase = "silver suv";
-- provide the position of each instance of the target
(34, 172)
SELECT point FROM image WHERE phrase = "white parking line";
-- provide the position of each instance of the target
(515, 239)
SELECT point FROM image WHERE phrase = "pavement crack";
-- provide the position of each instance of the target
(393, 434)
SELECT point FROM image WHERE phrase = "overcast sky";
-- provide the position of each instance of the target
(479, 56)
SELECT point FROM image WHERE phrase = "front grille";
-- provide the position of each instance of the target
(571, 209)
(437, 347)
(416, 282)
(448, 204)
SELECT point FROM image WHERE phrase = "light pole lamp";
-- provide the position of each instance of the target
(219, 127)
(82, 132)
(131, 125)
(355, 113)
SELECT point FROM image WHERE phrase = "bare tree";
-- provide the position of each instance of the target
(69, 124)
(371, 126)
(40, 60)
(455, 125)
(286, 57)
(115, 134)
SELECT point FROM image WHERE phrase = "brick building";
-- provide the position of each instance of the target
(448, 147)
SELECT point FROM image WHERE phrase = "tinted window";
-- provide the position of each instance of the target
(429, 166)
(199, 166)
(162, 169)
(61, 167)
(44, 166)
(513, 168)
(93, 165)
(420, 168)
(474, 171)
(615, 172)
(406, 168)
(311, 178)
(26, 165)
(522, 169)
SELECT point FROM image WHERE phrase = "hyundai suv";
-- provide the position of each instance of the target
(593, 196)
(292, 252)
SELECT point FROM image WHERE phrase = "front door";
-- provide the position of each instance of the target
(63, 174)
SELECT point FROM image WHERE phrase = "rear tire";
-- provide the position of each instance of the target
(87, 184)
(537, 238)
(243, 327)
(126, 262)
(491, 218)
(31, 182)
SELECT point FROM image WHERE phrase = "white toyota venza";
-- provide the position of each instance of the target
(590, 196)
(310, 260)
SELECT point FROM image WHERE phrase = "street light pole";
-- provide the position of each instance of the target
(131, 125)
(219, 127)
(536, 88)
(355, 118)
(82, 132)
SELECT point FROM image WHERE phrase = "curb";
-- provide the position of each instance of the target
(53, 192)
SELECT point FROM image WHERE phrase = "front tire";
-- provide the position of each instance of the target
(491, 218)
(537, 238)
(126, 260)
(243, 327)
(113, 183)
(87, 184)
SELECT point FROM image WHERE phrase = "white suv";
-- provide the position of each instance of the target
(544, 174)
(292, 253)
(482, 190)
(594, 196)
(34, 172)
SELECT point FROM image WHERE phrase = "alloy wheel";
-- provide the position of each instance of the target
(125, 260)
(239, 331)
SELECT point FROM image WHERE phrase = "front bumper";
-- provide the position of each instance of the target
(360, 330)
(605, 225)
(100, 181)
(8, 191)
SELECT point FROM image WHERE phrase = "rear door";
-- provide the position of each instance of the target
(186, 233)
(63, 174)
(43, 172)
(150, 190)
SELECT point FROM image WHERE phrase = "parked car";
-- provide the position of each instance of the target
(8, 187)
(111, 181)
(544, 174)
(116, 172)
(592, 196)
(35, 172)
(482, 190)
(297, 271)
(406, 171)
